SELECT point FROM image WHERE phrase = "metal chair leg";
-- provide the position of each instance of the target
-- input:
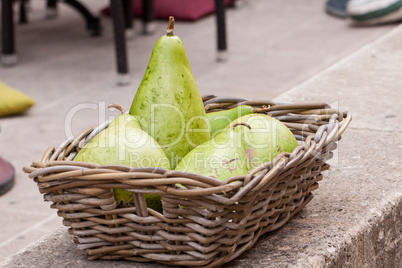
(221, 29)
(116, 9)
(9, 57)
(51, 9)
(148, 15)
(233, 3)
(128, 13)
(51, 3)
(128, 18)
(93, 23)
(22, 12)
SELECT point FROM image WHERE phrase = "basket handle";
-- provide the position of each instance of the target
(339, 128)
(334, 129)
(68, 145)
(345, 123)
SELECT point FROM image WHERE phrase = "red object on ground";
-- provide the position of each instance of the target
(180, 9)
(6, 176)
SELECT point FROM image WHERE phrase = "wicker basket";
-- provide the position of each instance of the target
(207, 224)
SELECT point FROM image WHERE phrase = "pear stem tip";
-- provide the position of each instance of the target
(170, 28)
(118, 107)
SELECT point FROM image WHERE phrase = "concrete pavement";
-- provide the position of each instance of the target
(270, 52)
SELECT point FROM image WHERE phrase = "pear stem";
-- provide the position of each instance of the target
(170, 27)
(118, 107)
(261, 110)
(240, 124)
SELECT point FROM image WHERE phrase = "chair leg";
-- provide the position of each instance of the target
(22, 12)
(128, 18)
(221, 29)
(51, 9)
(233, 3)
(128, 13)
(148, 15)
(93, 23)
(116, 9)
(51, 3)
(9, 57)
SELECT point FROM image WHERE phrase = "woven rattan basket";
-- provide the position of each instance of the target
(208, 223)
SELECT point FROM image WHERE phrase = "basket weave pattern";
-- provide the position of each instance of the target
(204, 222)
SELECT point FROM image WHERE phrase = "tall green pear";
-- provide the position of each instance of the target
(222, 157)
(168, 101)
(263, 137)
(123, 142)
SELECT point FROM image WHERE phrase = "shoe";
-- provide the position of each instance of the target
(7, 175)
(374, 11)
(336, 8)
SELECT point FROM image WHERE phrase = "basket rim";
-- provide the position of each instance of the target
(313, 144)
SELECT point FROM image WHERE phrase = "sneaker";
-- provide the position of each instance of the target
(6, 176)
(336, 8)
(374, 11)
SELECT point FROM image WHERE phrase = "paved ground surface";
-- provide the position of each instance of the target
(272, 48)
(355, 218)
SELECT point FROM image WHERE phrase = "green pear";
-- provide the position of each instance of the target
(219, 120)
(168, 102)
(123, 142)
(221, 158)
(263, 137)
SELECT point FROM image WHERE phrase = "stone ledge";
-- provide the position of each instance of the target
(355, 218)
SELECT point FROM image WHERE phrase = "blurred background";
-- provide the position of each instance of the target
(272, 46)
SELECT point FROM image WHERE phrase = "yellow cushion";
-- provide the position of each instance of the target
(13, 101)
